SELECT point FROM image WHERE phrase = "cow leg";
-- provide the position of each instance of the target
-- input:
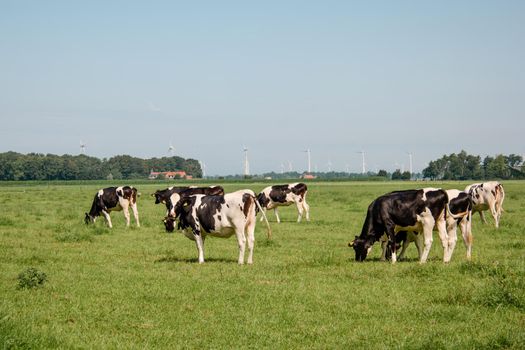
(199, 241)
(419, 246)
(428, 225)
(276, 212)
(108, 218)
(442, 232)
(299, 210)
(306, 208)
(482, 216)
(452, 237)
(404, 247)
(499, 208)
(241, 239)
(391, 234)
(494, 213)
(125, 209)
(250, 230)
(466, 230)
(384, 242)
(135, 213)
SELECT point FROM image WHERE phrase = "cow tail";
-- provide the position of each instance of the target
(457, 216)
(269, 232)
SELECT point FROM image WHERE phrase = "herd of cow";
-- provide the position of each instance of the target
(396, 218)
(203, 211)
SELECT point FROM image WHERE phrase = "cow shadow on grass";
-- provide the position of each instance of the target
(176, 259)
(378, 259)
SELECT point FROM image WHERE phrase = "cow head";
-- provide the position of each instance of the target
(158, 197)
(88, 219)
(361, 247)
(169, 223)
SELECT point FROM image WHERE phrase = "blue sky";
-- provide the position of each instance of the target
(338, 77)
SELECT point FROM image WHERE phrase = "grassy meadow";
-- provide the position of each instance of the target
(141, 288)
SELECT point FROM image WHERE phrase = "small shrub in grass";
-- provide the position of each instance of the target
(31, 278)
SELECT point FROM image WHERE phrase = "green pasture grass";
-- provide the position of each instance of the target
(142, 288)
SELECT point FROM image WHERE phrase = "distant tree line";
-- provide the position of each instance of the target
(37, 166)
(463, 166)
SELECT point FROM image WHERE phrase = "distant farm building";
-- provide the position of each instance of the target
(169, 175)
(308, 176)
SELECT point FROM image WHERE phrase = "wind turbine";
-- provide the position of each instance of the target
(290, 166)
(410, 163)
(308, 153)
(82, 147)
(203, 168)
(171, 150)
(329, 166)
(246, 162)
(363, 169)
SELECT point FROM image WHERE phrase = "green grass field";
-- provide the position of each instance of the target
(142, 288)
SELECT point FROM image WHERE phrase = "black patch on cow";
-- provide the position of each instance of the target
(209, 206)
(436, 202)
(300, 189)
(183, 212)
(247, 200)
(108, 200)
(460, 204)
(278, 193)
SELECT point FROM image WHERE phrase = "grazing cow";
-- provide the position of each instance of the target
(164, 196)
(114, 199)
(459, 213)
(283, 195)
(220, 216)
(485, 196)
(411, 210)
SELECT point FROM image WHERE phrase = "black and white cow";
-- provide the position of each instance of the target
(487, 196)
(172, 201)
(283, 195)
(164, 196)
(221, 216)
(459, 213)
(411, 210)
(114, 199)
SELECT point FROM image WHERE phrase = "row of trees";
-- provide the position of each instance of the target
(36, 166)
(463, 166)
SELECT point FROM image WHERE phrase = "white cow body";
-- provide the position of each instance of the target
(487, 196)
(275, 196)
(219, 216)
